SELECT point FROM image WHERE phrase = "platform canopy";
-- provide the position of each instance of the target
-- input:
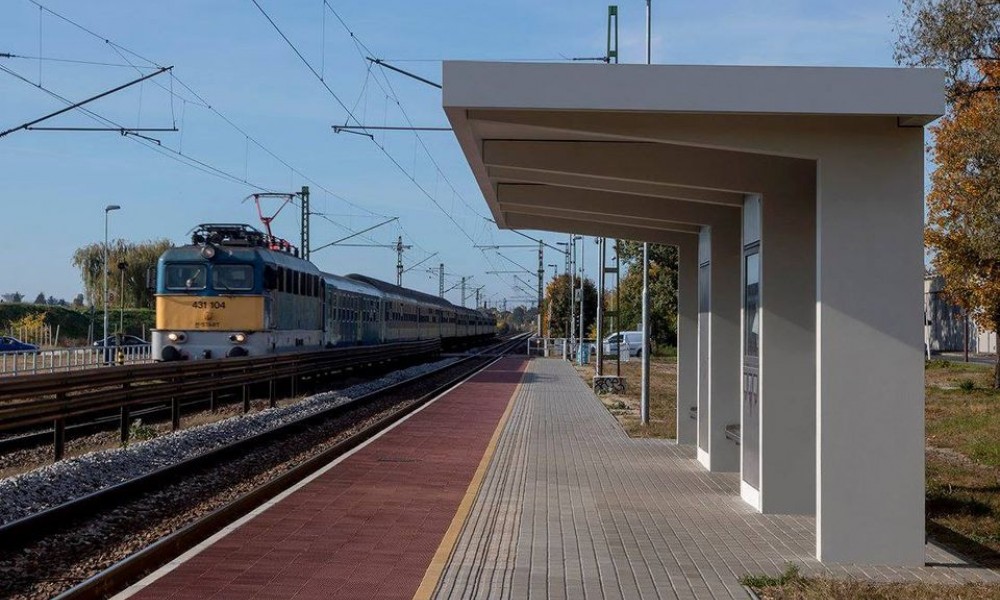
(795, 198)
(561, 127)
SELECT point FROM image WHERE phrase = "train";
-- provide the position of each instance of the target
(235, 291)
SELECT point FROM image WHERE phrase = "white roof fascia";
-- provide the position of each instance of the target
(915, 96)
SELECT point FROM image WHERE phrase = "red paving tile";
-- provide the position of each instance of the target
(369, 526)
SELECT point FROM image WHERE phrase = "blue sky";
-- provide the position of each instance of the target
(54, 185)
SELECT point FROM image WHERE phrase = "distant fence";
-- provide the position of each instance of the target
(40, 335)
(71, 359)
(561, 348)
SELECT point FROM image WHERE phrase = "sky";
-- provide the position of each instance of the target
(253, 117)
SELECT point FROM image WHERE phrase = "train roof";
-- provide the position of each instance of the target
(192, 253)
(389, 288)
(351, 285)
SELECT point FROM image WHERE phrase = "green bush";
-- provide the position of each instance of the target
(967, 385)
(139, 432)
(74, 323)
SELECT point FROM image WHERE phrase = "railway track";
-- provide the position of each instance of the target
(99, 543)
(83, 401)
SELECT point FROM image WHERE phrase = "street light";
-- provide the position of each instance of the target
(107, 210)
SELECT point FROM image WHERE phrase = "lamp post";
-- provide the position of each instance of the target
(107, 211)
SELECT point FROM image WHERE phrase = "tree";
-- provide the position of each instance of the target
(140, 258)
(662, 291)
(557, 309)
(963, 205)
(40, 298)
(78, 301)
(957, 35)
(13, 297)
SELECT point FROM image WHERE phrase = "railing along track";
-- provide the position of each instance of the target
(32, 400)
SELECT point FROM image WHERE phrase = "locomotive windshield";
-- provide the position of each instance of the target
(232, 277)
(186, 277)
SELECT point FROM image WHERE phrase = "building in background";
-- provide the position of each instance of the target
(945, 324)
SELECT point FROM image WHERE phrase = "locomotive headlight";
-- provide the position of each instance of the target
(177, 337)
(238, 338)
(208, 252)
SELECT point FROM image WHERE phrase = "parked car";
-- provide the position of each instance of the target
(631, 339)
(125, 340)
(9, 344)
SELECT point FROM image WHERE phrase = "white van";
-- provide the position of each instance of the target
(632, 340)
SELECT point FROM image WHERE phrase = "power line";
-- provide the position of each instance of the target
(359, 45)
(169, 152)
(351, 116)
(199, 100)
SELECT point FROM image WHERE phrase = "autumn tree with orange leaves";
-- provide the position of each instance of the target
(963, 206)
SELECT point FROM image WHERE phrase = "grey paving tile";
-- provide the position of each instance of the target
(573, 508)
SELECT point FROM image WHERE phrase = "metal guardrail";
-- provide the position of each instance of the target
(54, 398)
(71, 359)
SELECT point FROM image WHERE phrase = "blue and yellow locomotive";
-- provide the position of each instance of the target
(235, 291)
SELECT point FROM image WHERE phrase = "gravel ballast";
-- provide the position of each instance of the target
(32, 492)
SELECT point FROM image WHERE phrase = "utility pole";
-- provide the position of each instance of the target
(541, 280)
(399, 259)
(304, 233)
(583, 279)
(644, 401)
(463, 292)
(441, 280)
(599, 343)
(572, 290)
(602, 244)
(618, 305)
(122, 265)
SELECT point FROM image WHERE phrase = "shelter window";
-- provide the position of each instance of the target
(232, 277)
(186, 277)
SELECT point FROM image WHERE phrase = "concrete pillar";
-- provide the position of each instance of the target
(870, 409)
(719, 344)
(687, 339)
(787, 441)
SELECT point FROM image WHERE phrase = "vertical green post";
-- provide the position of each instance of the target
(612, 34)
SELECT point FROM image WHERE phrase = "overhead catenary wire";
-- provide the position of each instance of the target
(169, 152)
(197, 99)
(351, 117)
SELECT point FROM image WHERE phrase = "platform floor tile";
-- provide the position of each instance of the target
(571, 507)
(367, 527)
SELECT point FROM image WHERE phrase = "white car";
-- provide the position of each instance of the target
(632, 341)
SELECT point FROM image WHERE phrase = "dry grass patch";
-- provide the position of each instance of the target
(662, 396)
(810, 588)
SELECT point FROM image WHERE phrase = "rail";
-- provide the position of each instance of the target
(54, 398)
(33, 527)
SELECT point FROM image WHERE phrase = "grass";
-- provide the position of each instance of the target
(963, 490)
(814, 588)
(789, 575)
(963, 459)
(662, 396)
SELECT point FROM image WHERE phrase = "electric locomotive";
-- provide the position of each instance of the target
(235, 291)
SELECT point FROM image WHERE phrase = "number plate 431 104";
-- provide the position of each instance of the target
(213, 304)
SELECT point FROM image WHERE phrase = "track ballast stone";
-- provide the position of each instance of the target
(52, 485)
